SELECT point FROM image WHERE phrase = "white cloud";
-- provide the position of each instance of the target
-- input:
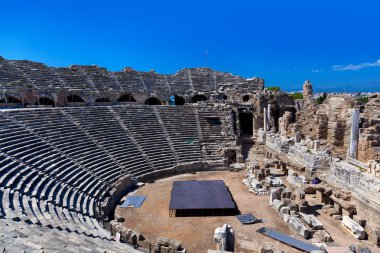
(315, 70)
(356, 67)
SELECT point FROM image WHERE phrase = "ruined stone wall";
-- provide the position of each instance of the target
(329, 122)
(31, 80)
(369, 136)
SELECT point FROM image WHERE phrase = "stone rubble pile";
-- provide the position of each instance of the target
(135, 238)
(259, 179)
(166, 245)
(292, 207)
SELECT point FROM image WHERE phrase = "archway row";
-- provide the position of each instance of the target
(10, 100)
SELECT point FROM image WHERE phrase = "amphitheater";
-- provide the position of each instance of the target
(75, 141)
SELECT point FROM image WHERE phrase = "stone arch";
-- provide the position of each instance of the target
(198, 97)
(102, 100)
(127, 97)
(176, 100)
(74, 99)
(152, 101)
(13, 100)
(45, 101)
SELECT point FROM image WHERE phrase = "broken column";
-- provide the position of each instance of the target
(354, 134)
(316, 145)
(223, 236)
(265, 120)
(268, 116)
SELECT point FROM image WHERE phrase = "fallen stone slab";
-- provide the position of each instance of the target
(322, 236)
(311, 221)
(277, 204)
(356, 230)
(297, 225)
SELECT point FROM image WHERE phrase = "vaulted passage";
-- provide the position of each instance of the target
(176, 100)
(74, 99)
(10, 100)
(45, 101)
(246, 122)
(126, 98)
(198, 98)
(152, 101)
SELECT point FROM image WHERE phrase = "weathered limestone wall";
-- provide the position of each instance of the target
(369, 136)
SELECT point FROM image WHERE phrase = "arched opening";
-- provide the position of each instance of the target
(126, 98)
(176, 100)
(198, 98)
(102, 100)
(13, 100)
(46, 101)
(3, 100)
(246, 122)
(245, 98)
(74, 99)
(152, 101)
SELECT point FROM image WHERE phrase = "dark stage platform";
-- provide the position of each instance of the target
(201, 198)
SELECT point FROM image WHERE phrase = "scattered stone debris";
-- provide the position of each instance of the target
(224, 238)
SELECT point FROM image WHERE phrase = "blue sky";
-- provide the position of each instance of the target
(335, 44)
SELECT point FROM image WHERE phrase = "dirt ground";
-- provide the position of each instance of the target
(196, 233)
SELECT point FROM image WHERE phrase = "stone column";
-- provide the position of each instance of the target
(354, 134)
(265, 119)
(268, 117)
(254, 122)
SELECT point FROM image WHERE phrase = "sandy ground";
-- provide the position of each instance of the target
(196, 233)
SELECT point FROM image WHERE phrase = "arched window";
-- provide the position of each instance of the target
(45, 101)
(74, 99)
(152, 101)
(245, 98)
(102, 100)
(197, 98)
(126, 98)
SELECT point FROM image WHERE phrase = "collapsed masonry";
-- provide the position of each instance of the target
(338, 141)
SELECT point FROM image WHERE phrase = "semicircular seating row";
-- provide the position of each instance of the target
(57, 164)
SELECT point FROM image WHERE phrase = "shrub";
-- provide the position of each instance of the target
(296, 95)
(322, 98)
(274, 88)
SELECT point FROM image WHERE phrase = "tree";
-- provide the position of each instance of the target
(364, 100)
